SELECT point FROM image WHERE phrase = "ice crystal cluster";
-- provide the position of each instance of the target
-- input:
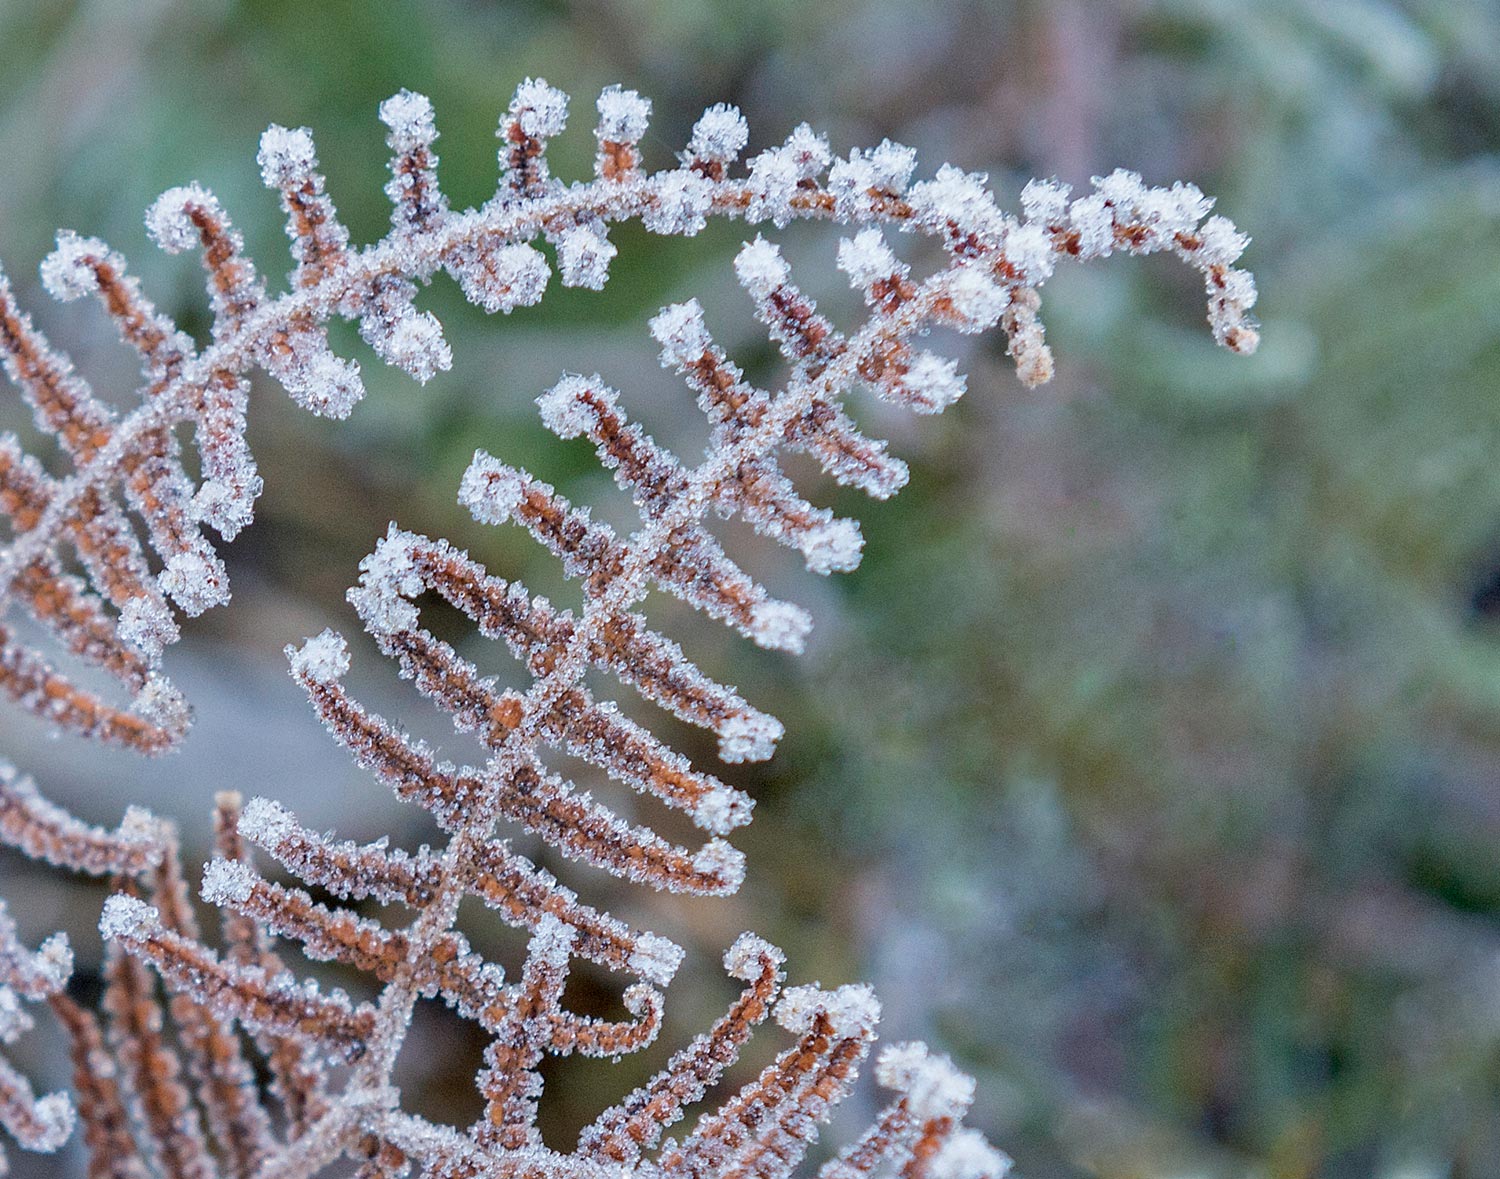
(166, 1070)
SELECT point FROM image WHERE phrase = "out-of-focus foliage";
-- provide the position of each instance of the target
(1161, 773)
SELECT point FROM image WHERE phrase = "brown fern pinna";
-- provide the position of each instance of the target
(168, 1087)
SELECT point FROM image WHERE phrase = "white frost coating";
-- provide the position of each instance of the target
(147, 625)
(161, 704)
(960, 198)
(623, 115)
(832, 547)
(491, 490)
(771, 187)
(53, 1118)
(933, 1087)
(388, 580)
(655, 958)
(266, 822)
(933, 382)
(867, 259)
(541, 109)
(760, 267)
(13, 1018)
(68, 271)
(893, 164)
(680, 330)
(286, 155)
(977, 299)
(856, 182)
(126, 917)
(722, 809)
(1045, 201)
(851, 1010)
(138, 825)
(564, 410)
(1029, 249)
(53, 963)
(1121, 188)
(1093, 221)
(749, 738)
(719, 135)
(417, 347)
(322, 659)
(322, 383)
(683, 200)
(194, 580)
(409, 116)
(965, 1154)
(505, 278)
(167, 220)
(780, 626)
(227, 882)
(743, 960)
(583, 257)
(717, 858)
(1222, 244)
(1174, 210)
(807, 150)
(226, 508)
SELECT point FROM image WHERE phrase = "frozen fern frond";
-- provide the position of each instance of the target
(169, 1088)
(120, 616)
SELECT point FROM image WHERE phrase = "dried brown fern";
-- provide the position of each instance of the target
(186, 1103)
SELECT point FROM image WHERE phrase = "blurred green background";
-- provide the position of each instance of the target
(1149, 763)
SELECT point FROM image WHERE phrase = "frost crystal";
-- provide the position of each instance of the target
(491, 490)
(286, 156)
(126, 916)
(744, 957)
(934, 1088)
(162, 704)
(225, 882)
(780, 626)
(656, 959)
(861, 181)
(933, 382)
(505, 277)
(960, 200)
(387, 582)
(720, 859)
(265, 821)
(67, 272)
(867, 259)
(542, 110)
(851, 1010)
(760, 267)
(683, 200)
(167, 221)
(719, 135)
(977, 300)
(1045, 201)
(583, 256)
(833, 547)
(681, 332)
(410, 119)
(966, 1155)
(1222, 244)
(146, 623)
(623, 115)
(564, 407)
(195, 582)
(749, 738)
(323, 659)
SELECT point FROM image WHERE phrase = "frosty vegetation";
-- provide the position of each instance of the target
(164, 1084)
